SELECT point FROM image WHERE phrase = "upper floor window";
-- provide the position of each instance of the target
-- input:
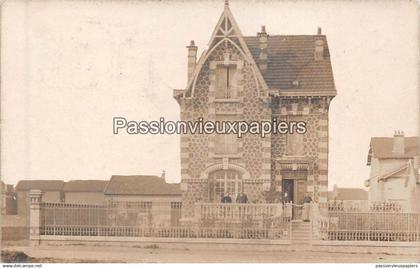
(295, 144)
(226, 82)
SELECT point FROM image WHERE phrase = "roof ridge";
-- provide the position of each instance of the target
(283, 35)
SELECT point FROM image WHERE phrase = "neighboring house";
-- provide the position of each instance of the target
(145, 199)
(84, 192)
(52, 192)
(8, 199)
(256, 78)
(394, 173)
(342, 194)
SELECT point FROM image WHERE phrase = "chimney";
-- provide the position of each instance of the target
(398, 144)
(163, 174)
(263, 58)
(319, 46)
(319, 31)
(192, 58)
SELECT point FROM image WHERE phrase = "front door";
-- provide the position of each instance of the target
(288, 190)
(294, 191)
(299, 195)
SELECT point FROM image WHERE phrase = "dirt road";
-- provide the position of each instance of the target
(163, 255)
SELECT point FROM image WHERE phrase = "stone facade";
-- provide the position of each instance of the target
(258, 166)
(311, 165)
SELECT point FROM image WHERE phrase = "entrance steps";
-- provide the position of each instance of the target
(301, 232)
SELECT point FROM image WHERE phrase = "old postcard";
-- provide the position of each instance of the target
(229, 131)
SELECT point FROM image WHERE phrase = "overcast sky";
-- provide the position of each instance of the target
(69, 67)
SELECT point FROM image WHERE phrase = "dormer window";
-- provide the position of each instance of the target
(226, 81)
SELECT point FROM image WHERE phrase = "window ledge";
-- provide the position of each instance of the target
(227, 100)
(238, 155)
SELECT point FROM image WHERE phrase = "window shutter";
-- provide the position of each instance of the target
(232, 82)
(221, 82)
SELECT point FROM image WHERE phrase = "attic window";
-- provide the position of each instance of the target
(226, 82)
(295, 83)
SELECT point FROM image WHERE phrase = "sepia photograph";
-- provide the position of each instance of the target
(228, 131)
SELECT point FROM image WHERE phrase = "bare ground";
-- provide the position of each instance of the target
(153, 254)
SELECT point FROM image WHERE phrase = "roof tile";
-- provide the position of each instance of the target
(43, 185)
(290, 58)
(141, 185)
(382, 147)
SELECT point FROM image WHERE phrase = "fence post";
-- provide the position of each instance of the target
(35, 197)
(197, 212)
(314, 218)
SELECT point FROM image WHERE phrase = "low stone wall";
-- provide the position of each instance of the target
(14, 227)
(13, 220)
(399, 248)
(14, 233)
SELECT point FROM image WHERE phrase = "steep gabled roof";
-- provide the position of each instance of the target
(291, 58)
(226, 30)
(381, 147)
(85, 186)
(43, 185)
(141, 185)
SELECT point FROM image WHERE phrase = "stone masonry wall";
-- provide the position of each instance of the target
(197, 150)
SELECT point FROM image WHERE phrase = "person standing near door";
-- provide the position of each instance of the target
(307, 200)
(226, 198)
(286, 198)
(242, 198)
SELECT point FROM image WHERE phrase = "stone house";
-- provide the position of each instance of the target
(265, 77)
(144, 199)
(394, 171)
(84, 192)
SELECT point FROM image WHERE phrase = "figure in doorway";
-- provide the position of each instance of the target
(286, 198)
(307, 200)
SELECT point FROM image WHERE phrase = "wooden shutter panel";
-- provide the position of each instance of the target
(221, 82)
(232, 82)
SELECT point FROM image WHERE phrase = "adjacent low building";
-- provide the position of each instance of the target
(52, 193)
(84, 192)
(344, 194)
(394, 173)
(145, 199)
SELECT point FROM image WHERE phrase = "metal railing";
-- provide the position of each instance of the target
(162, 220)
(237, 213)
(365, 206)
(374, 225)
